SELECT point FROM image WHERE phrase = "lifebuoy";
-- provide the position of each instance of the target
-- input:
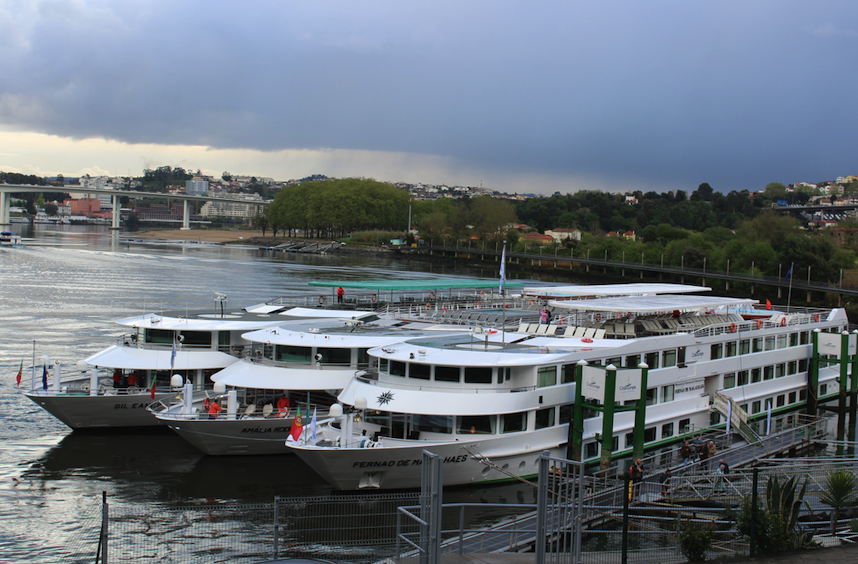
(598, 317)
(478, 304)
(283, 413)
(561, 320)
(373, 298)
(321, 300)
(428, 306)
(586, 340)
(816, 317)
(443, 311)
(759, 324)
(783, 321)
(619, 315)
(482, 292)
(431, 295)
(629, 315)
(532, 302)
(732, 328)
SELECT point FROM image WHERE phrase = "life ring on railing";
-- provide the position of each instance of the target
(428, 306)
(561, 320)
(373, 298)
(759, 324)
(816, 318)
(783, 321)
(629, 315)
(321, 300)
(732, 328)
(619, 315)
(478, 306)
(431, 295)
(482, 292)
(443, 311)
(532, 302)
(207, 404)
(598, 317)
(283, 413)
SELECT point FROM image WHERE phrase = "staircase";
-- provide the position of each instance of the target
(738, 417)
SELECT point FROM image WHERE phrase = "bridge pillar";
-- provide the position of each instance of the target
(115, 225)
(4, 208)
(186, 217)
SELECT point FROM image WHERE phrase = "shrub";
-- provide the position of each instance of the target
(694, 540)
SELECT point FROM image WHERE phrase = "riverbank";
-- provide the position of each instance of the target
(200, 235)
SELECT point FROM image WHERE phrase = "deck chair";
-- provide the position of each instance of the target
(266, 411)
(600, 334)
(579, 331)
(522, 327)
(589, 333)
(541, 329)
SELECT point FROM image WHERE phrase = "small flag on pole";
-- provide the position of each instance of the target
(45, 377)
(313, 426)
(789, 272)
(502, 270)
(173, 354)
(20, 373)
(154, 385)
(297, 425)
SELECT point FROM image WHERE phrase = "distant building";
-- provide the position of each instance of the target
(232, 209)
(564, 234)
(197, 186)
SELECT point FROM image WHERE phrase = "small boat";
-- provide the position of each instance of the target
(9, 239)
(489, 404)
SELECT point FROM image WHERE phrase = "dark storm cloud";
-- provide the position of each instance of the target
(667, 94)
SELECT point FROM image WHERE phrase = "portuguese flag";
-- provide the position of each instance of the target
(297, 425)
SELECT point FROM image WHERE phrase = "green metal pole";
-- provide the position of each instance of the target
(853, 389)
(576, 427)
(754, 500)
(625, 538)
(608, 417)
(844, 369)
(640, 416)
(813, 375)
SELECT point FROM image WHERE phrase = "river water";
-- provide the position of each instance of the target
(60, 294)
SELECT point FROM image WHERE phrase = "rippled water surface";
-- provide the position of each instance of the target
(60, 294)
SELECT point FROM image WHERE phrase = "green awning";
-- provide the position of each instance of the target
(404, 285)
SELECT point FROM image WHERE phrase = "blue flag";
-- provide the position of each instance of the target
(502, 270)
(789, 272)
(173, 354)
(45, 377)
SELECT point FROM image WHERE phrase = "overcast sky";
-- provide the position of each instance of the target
(519, 96)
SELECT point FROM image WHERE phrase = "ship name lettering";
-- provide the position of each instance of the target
(265, 429)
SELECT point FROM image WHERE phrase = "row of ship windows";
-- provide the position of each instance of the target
(754, 375)
(758, 344)
(591, 449)
(483, 424)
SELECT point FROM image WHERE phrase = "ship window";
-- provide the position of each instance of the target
(651, 360)
(649, 435)
(568, 373)
(545, 418)
(197, 338)
(476, 424)
(793, 339)
(684, 425)
(742, 378)
(287, 353)
(335, 356)
(513, 422)
(666, 430)
(159, 336)
(566, 413)
(447, 374)
(756, 373)
(791, 397)
(591, 450)
(650, 396)
(823, 389)
(615, 444)
(382, 365)
(433, 423)
(781, 400)
(617, 361)
(668, 358)
(756, 344)
(630, 440)
(478, 375)
(730, 349)
(223, 341)
(397, 368)
(802, 365)
(716, 351)
(804, 337)
(745, 346)
(729, 380)
(768, 372)
(782, 341)
(667, 393)
(755, 407)
(362, 358)
(802, 395)
(546, 376)
(419, 371)
(780, 370)
(633, 360)
(770, 343)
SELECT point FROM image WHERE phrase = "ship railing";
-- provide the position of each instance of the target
(367, 377)
(135, 342)
(313, 364)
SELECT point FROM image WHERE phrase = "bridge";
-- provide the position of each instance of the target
(6, 189)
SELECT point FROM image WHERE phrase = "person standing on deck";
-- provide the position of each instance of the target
(340, 294)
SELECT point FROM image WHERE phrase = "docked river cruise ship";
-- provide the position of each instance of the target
(489, 403)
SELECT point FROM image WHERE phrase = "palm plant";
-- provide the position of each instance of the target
(841, 488)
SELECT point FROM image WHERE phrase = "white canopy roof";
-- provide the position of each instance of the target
(245, 374)
(655, 304)
(131, 358)
(612, 290)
